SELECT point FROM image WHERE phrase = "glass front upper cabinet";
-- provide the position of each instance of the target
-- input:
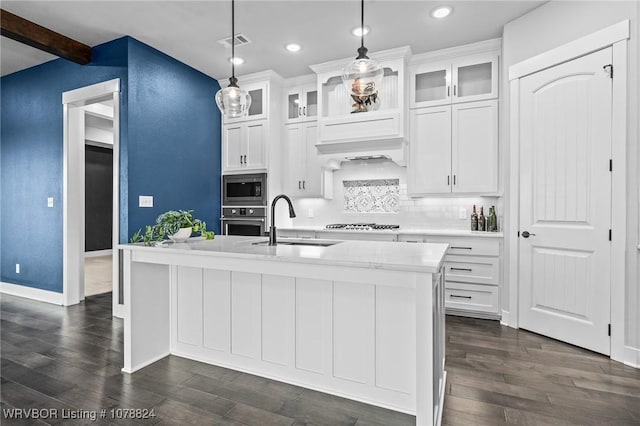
(466, 79)
(259, 97)
(302, 103)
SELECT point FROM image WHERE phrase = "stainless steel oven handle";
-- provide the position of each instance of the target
(255, 219)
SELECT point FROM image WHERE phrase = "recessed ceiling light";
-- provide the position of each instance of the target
(441, 12)
(293, 47)
(357, 31)
(236, 61)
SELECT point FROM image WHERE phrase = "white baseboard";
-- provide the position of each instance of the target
(98, 253)
(632, 357)
(32, 293)
(506, 319)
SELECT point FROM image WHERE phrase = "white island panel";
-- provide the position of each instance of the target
(278, 319)
(393, 367)
(189, 305)
(313, 320)
(246, 295)
(216, 298)
(353, 332)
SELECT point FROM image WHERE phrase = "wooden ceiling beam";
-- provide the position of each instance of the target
(42, 38)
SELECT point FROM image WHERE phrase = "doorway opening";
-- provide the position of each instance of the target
(91, 131)
(98, 175)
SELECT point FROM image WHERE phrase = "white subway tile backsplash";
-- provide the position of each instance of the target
(430, 212)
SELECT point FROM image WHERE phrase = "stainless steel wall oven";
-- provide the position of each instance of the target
(244, 221)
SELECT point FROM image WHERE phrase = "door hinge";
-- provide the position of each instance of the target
(610, 165)
(609, 330)
(609, 70)
(609, 234)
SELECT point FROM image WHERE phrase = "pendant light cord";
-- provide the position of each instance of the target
(233, 40)
(362, 23)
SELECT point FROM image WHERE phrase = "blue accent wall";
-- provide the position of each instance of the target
(170, 148)
(174, 138)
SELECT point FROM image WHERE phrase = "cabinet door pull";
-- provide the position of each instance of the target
(461, 248)
(448, 180)
(454, 179)
(460, 269)
(299, 111)
(245, 159)
(459, 297)
(241, 159)
(304, 110)
(299, 187)
(448, 91)
(454, 90)
(303, 182)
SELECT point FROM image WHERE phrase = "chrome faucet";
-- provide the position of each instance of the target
(272, 228)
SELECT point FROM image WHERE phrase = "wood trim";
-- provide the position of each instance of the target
(574, 49)
(511, 238)
(619, 199)
(34, 35)
(31, 293)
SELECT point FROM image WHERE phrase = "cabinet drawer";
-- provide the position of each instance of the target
(469, 246)
(482, 270)
(356, 235)
(471, 297)
(409, 238)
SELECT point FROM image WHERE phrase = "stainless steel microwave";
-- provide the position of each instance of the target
(244, 190)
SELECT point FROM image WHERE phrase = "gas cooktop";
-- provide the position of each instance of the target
(361, 226)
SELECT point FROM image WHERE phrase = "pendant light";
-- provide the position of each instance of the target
(232, 100)
(362, 77)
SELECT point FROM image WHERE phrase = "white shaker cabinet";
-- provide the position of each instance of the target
(454, 148)
(304, 175)
(244, 145)
(252, 143)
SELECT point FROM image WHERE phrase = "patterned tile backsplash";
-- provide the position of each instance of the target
(372, 196)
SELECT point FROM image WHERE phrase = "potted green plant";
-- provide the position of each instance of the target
(177, 226)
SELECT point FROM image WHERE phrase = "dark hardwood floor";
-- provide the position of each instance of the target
(70, 358)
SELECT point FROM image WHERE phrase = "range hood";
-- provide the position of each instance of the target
(332, 154)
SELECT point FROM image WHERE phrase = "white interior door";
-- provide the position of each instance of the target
(565, 201)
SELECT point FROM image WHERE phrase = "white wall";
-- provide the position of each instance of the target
(549, 26)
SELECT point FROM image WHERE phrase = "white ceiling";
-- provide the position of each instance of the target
(189, 30)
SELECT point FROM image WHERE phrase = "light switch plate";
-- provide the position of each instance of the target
(17, 268)
(50, 202)
(145, 201)
(463, 213)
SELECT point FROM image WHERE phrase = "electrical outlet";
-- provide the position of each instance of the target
(50, 202)
(145, 201)
(17, 268)
(310, 213)
(463, 213)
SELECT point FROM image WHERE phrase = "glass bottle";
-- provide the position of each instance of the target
(474, 219)
(493, 220)
(481, 220)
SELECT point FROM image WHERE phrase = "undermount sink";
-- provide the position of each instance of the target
(310, 242)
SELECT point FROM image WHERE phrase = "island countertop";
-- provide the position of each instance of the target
(361, 254)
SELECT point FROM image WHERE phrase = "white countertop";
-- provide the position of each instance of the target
(397, 256)
(402, 231)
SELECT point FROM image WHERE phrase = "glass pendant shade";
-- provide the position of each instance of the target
(363, 76)
(233, 101)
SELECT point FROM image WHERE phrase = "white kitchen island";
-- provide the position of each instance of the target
(359, 319)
